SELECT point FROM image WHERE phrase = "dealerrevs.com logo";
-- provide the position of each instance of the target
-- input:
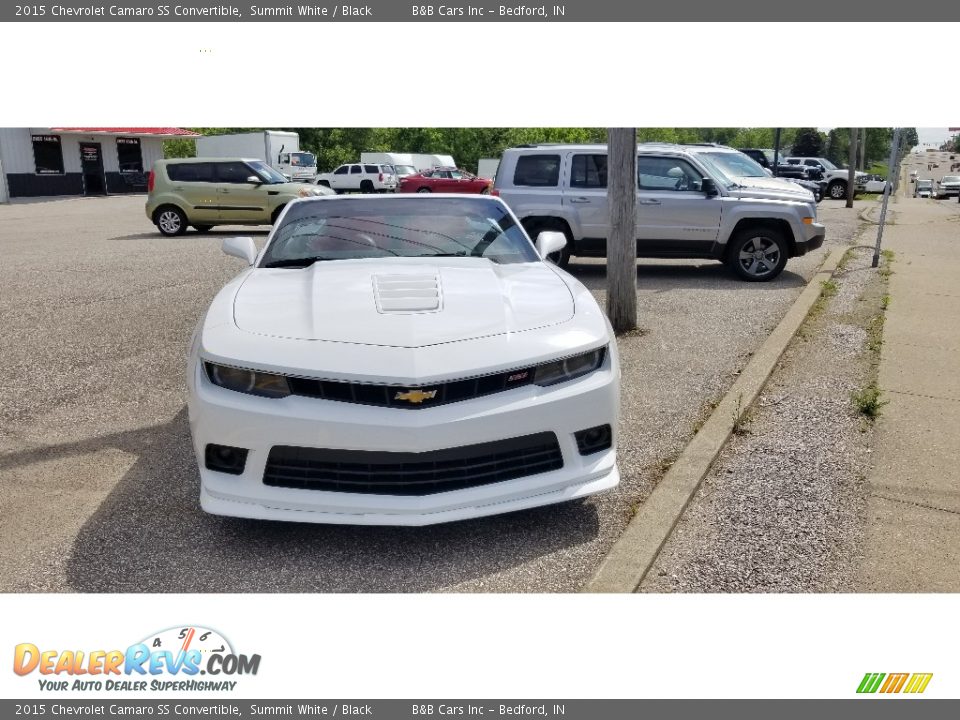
(174, 659)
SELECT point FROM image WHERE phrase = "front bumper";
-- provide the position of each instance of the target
(235, 419)
(813, 237)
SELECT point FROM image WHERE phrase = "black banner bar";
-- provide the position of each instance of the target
(480, 11)
(865, 708)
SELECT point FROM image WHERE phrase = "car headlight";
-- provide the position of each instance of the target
(306, 192)
(248, 381)
(569, 368)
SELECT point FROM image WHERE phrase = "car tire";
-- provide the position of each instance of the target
(170, 220)
(276, 214)
(366, 186)
(424, 190)
(562, 258)
(758, 254)
(485, 191)
(837, 190)
(202, 228)
(325, 183)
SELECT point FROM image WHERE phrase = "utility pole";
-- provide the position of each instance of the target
(863, 149)
(852, 168)
(776, 152)
(622, 243)
(887, 189)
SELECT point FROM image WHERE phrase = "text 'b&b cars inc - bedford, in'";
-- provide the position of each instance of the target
(401, 360)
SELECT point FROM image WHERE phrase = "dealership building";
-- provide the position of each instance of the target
(43, 162)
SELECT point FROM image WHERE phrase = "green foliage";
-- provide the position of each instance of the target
(867, 401)
(909, 138)
(809, 142)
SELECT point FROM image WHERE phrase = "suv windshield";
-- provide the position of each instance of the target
(826, 163)
(950, 179)
(269, 175)
(925, 184)
(351, 229)
(732, 164)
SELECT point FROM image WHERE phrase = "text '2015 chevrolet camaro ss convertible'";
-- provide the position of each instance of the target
(401, 360)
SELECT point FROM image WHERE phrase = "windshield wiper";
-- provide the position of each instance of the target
(294, 262)
(450, 254)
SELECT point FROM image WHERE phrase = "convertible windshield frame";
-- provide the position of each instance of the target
(332, 228)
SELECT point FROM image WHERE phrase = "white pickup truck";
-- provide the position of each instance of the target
(835, 177)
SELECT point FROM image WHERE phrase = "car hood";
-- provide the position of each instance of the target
(771, 188)
(401, 302)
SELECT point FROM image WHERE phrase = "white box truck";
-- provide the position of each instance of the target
(279, 149)
(420, 161)
(487, 168)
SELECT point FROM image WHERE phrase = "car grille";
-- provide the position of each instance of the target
(411, 397)
(409, 473)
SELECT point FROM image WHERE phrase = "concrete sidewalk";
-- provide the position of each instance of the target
(913, 520)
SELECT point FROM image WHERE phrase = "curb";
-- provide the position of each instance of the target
(633, 554)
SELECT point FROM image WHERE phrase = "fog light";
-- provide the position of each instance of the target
(593, 440)
(225, 459)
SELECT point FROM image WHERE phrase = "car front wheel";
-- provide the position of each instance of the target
(424, 189)
(837, 190)
(170, 221)
(758, 255)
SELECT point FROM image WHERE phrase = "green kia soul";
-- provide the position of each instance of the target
(204, 192)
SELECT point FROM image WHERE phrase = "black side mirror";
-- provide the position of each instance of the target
(709, 187)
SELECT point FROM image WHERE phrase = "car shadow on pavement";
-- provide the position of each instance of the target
(150, 535)
(709, 275)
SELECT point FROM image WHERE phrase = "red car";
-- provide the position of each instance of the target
(445, 180)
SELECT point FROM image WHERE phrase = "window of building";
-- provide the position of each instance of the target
(48, 154)
(129, 156)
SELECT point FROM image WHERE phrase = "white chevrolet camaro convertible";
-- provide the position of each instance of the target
(401, 360)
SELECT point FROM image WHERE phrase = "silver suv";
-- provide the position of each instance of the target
(693, 201)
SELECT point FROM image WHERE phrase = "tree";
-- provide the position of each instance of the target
(808, 142)
(909, 138)
(622, 243)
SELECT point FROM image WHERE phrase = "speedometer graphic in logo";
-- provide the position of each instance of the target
(182, 639)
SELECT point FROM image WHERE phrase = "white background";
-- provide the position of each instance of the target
(528, 74)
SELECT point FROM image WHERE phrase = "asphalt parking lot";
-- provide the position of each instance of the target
(98, 478)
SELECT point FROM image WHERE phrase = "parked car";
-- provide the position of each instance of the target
(693, 201)
(415, 362)
(360, 177)
(403, 171)
(806, 176)
(835, 177)
(948, 185)
(873, 184)
(230, 191)
(923, 188)
(445, 180)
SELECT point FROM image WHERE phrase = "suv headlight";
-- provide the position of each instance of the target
(569, 368)
(248, 381)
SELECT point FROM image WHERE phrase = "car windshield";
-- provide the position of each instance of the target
(352, 229)
(924, 183)
(732, 164)
(950, 178)
(267, 173)
(303, 159)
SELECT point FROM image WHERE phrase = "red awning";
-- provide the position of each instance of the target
(168, 132)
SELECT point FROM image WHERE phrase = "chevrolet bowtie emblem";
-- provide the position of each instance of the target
(416, 396)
